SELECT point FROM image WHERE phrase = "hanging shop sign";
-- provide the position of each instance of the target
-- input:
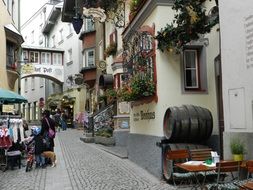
(54, 72)
(102, 64)
(95, 13)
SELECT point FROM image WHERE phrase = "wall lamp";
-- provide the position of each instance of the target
(77, 23)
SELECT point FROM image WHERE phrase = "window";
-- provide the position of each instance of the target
(32, 83)
(57, 59)
(89, 25)
(41, 36)
(10, 55)
(191, 69)
(113, 37)
(119, 80)
(194, 69)
(60, 36)
(90, 58)
(70, 55)
(45, 58)
(53, 41)
(32, 37)
(34, 57)
(25, 56)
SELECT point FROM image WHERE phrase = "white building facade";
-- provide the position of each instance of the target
(45, 32)
(237, 73)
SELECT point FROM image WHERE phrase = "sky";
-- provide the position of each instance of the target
(29, 7)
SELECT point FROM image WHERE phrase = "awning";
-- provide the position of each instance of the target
(7, 96)
(13, 34)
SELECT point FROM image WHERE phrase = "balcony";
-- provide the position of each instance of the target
(89, 75)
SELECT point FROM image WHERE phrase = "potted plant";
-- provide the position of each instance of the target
(237, 149)
(111, 95)
(111, 49)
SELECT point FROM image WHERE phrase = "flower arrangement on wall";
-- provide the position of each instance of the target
(190, 22)
(111, 49)
(111, 95)
(114, 10)
(138, 86)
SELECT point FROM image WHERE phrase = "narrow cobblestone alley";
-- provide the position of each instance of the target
(82, 166)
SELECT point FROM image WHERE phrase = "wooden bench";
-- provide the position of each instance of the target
(176, 156)
(200, 154)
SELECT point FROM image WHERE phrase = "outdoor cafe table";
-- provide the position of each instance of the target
(195, 167)
(248, 185)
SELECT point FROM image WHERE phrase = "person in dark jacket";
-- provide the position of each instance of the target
(39, 146)
(39, 149)
(47, 122)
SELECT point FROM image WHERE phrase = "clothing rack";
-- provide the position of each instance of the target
(4, 150)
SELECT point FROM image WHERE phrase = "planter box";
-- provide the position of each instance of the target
(104, 140)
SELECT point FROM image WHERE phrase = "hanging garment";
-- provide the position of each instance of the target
(15, 131)
(5, 140)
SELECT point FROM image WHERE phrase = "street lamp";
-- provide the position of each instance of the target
(77, 20)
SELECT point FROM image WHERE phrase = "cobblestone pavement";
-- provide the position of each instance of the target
(82, 166)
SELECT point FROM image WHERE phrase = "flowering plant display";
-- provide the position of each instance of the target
(111, 49)
(189, 24)
(138, 86)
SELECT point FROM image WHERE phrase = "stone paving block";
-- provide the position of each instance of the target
(82, 166)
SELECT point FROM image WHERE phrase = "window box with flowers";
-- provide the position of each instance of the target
(138, 87)
(139, 66)
(111, 49)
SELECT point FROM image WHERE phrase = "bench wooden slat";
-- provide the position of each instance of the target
(200, 154)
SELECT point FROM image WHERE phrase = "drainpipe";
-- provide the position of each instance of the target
(19, 56)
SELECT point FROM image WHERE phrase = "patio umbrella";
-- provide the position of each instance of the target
(7, 96)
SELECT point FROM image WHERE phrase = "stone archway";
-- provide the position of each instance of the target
(52, 72)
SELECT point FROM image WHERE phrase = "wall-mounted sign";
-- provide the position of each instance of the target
(142, 115)
(124, 108)
(49, 71)
(27, 69)
(102, 64)
(95, 13)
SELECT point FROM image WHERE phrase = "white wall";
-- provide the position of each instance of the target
(169, 81)
(237, 72)
(33, 24)
(70, 41)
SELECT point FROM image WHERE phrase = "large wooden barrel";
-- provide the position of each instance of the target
(187, 124)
